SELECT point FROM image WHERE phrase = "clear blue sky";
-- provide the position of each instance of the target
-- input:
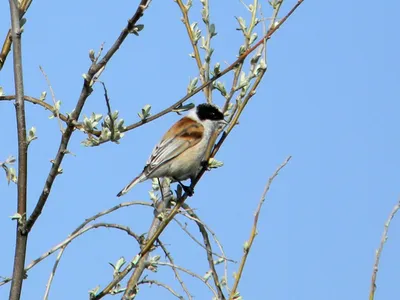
(329, 99)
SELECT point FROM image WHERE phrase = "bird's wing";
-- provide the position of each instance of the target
(187, 134)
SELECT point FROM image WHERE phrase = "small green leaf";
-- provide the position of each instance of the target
(31, 135)
(217, 69)
(246, 246)
(93, 292)
(213, 163)
(136, 259)
(242, 24)
(242, 49)
(43, 96)
(136, 29)
(253, 37)
(11, 175)
(145, 112)
(220, 87)
(192, 85)
(183, 108)
(153, 196)
(16, 216)
(10, 160)
(57, 105)
(91, 55)
(212, 30)
(154, 184)
(207, 275)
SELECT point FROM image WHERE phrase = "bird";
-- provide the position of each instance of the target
(181, 152)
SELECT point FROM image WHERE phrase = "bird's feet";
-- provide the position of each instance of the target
(187, 189)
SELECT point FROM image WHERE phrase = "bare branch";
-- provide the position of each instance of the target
(109, 111)
(167, 287)
(380, 249)
(168, 255)
(45, 105)
(21, 237)
(184, 228)
(53, 96)
(253, 234)
(210, 258)
(193, 274)
(53, 272)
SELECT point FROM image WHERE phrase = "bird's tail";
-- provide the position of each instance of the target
(134, 182)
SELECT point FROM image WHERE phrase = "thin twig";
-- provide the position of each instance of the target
(191, 215)
(167, 287)
(253, 234)
(21, 237)
(53, 272)
(380, 249)
(193, 274)
(53, 96)
(109, 111)
(171, 260)
(209, 251)
(45, 105)
(184, 228)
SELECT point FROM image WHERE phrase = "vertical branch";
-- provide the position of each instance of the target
(193, 40)
(21, 239)
(131, 288)
(249, 243)
(379, 251)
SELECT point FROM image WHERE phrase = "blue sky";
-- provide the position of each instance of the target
(329, 99)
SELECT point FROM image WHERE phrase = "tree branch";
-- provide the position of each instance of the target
(21, 237)
(85, 93)
(24, 5)
(379, 250)
(209, 252)
(138, 262)
(178, 277)
(167, 287)
(249, 243)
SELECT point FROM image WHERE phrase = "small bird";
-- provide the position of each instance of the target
(181, 152)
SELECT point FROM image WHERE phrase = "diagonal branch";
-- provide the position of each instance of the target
(24, 5)
(178, 277)
(158, 228)
(207, 244)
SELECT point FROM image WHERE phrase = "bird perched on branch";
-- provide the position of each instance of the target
(182, 150)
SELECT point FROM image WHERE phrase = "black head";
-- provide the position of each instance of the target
(207, 111)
